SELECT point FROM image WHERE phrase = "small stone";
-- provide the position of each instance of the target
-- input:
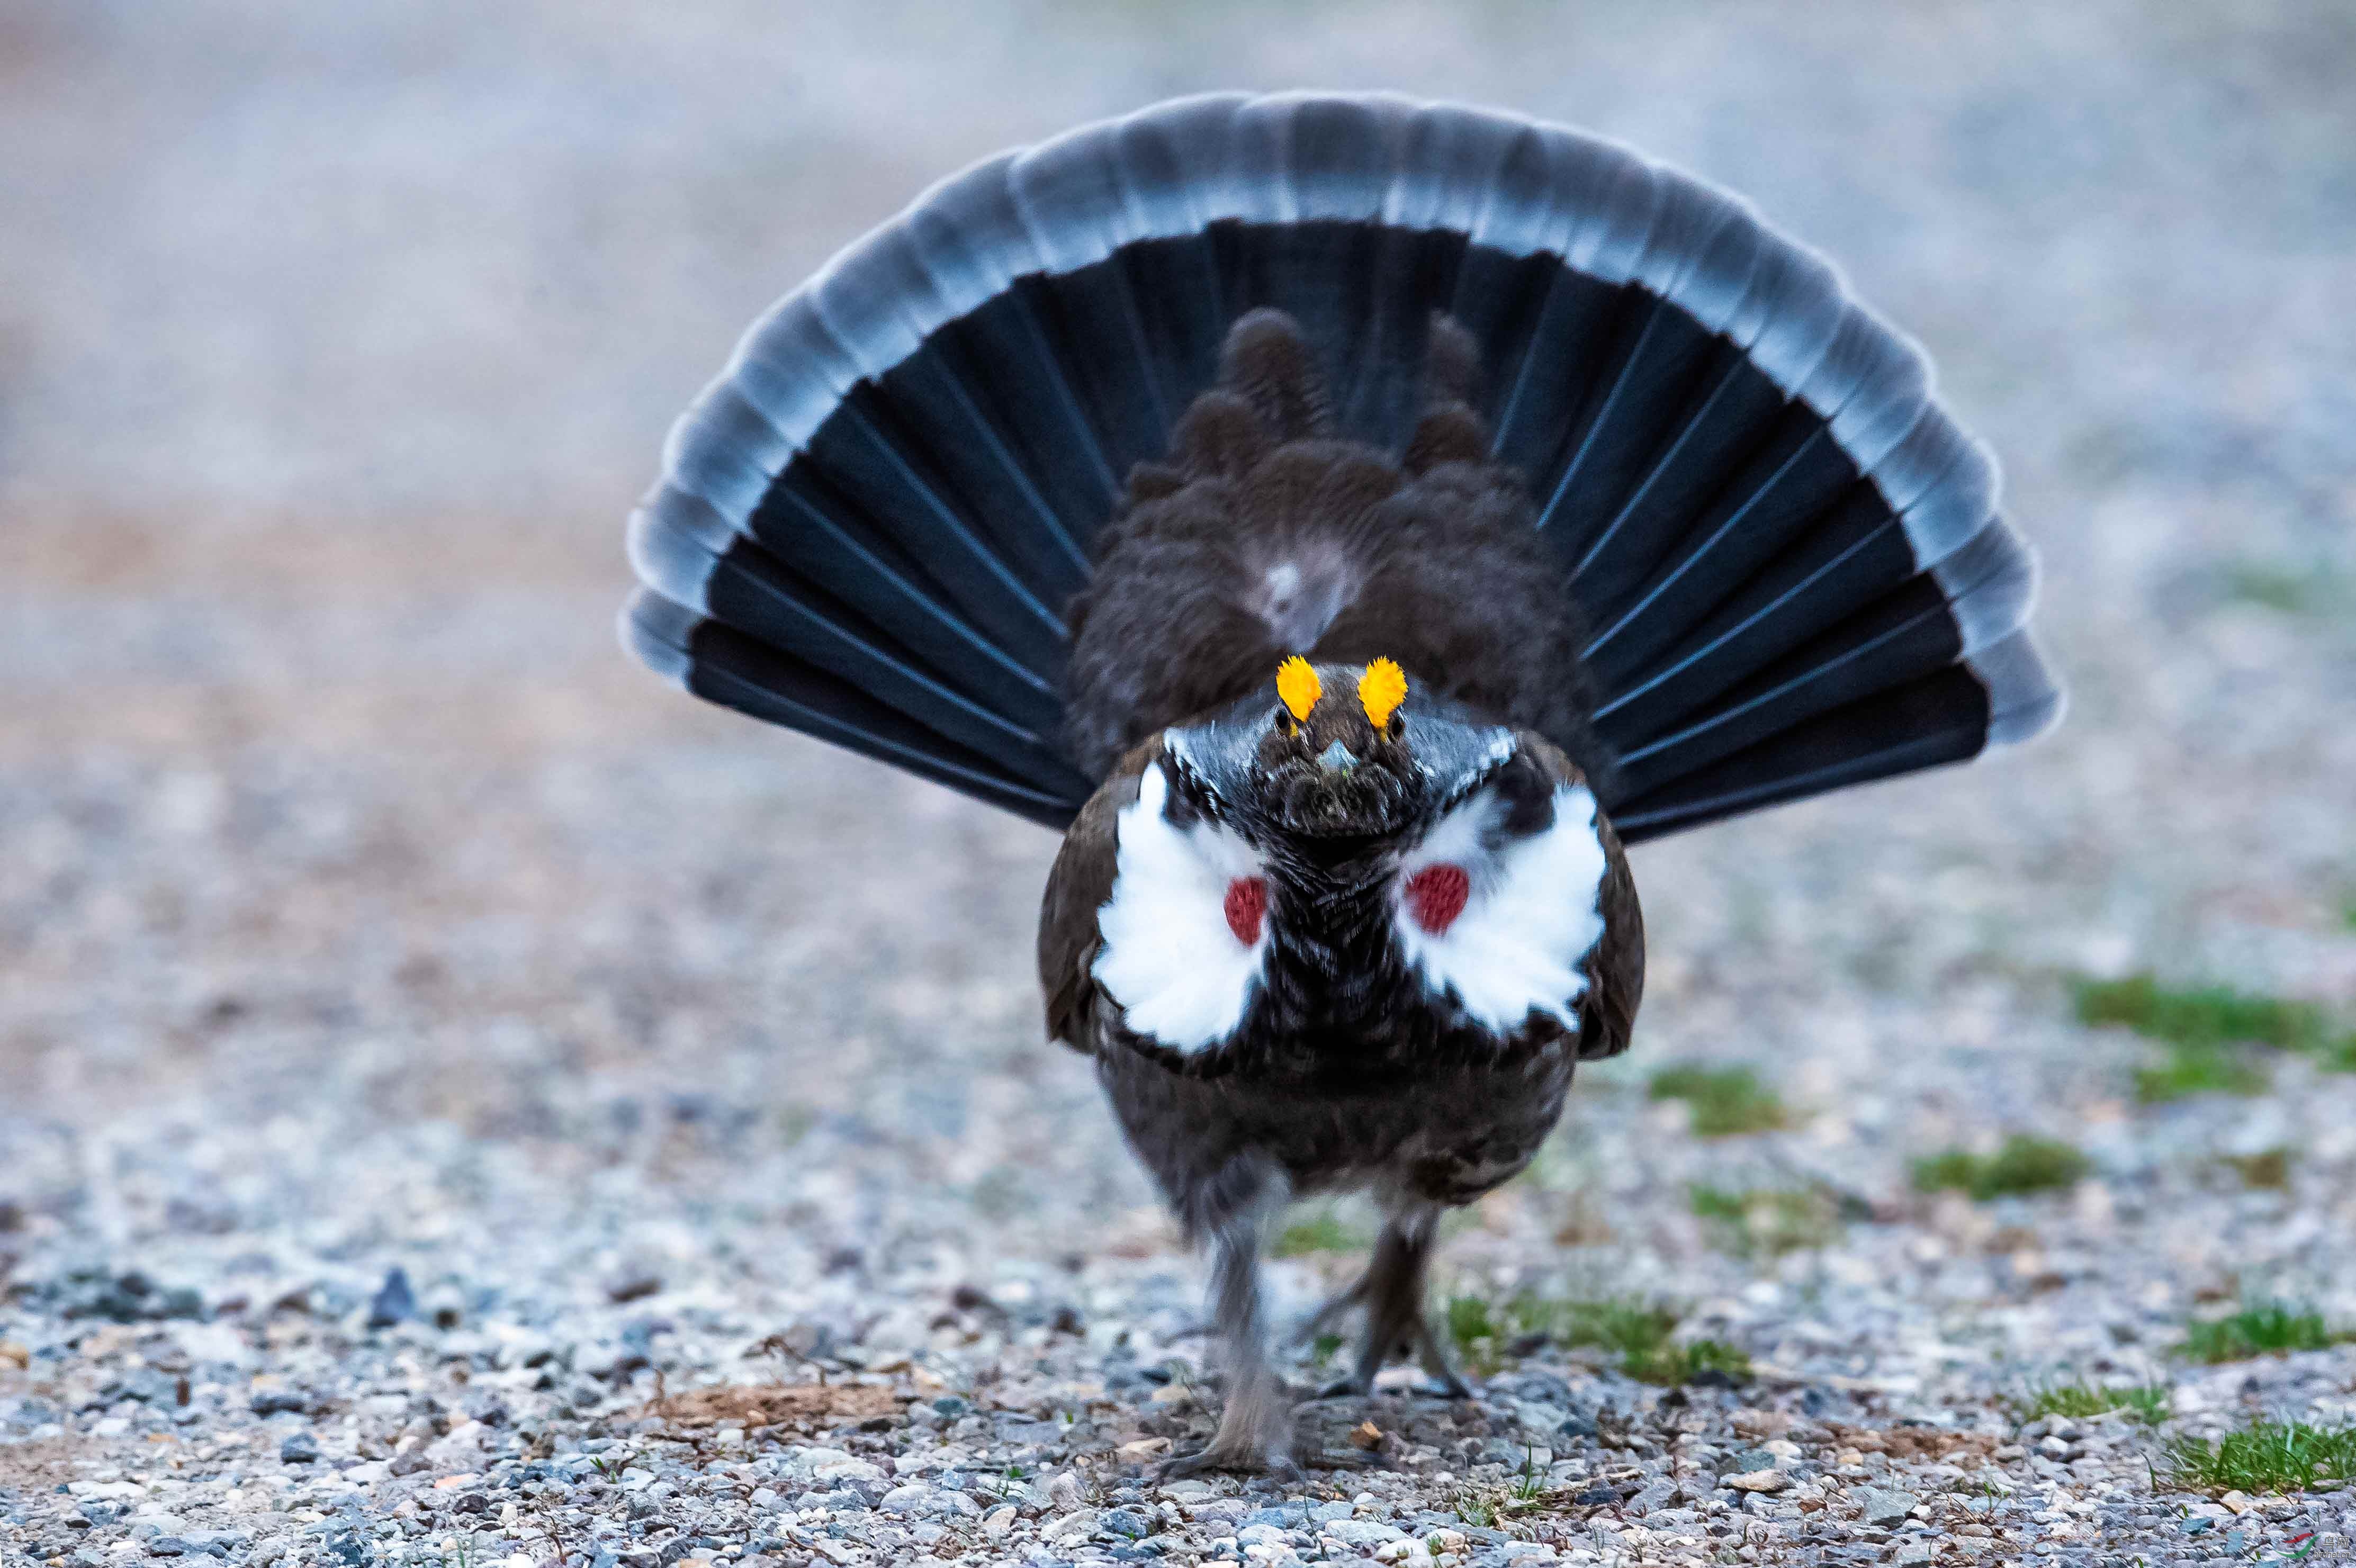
(279, 1402)
(1770, 1480)
(394, 1302)
(1366, 1436)
(633, 1285)
(1911, 1554)
(1127, 1523)
(299, 1448)
(1063, 1491)
(1657, 1495)
(906, 1499)
(2236, 1502)
(1884, 1507)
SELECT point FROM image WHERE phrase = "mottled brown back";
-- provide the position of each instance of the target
(1265, 534)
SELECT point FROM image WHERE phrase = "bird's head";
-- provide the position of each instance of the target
(1335, 760)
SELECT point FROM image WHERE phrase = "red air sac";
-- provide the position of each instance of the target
(1435, 896)
(1247, 907)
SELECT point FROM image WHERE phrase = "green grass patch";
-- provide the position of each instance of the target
(1479, 1506)
(2147, 1403)
(2207, 1030)
(1627, 1325)
(2278, 588)
(2261, 1328)
(2024, 1164)
(1767, 1220)
(2265, 1457)
(1723, 1101)
(1322, 1232)
(1477, 1330)
(2199, 1070)
(2202, 1015)
(1637, 1332)
(2268, 1168)
(1675, 1365)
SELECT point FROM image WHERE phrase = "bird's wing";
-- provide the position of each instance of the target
(1077, 888)
(1614, 966)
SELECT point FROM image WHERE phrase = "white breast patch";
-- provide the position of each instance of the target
(1168, 955)
(1531, 917)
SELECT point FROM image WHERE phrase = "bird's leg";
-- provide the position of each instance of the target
(1392, 1291)
(1335, 1309)
(1256, 1428)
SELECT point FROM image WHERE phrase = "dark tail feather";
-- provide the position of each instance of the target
(723, 665)
(1789, 556)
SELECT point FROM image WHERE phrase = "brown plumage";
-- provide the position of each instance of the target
(1265, 535)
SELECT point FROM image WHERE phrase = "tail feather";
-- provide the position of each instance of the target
(1787, 555)
(868, 468)
(1795, 479)
(1827, 574)
(721, 665)
(1934, 720)
(764, 600)
(1902, 636)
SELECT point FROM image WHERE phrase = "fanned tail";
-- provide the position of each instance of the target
(1788, 556)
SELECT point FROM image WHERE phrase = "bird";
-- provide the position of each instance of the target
(1352, 522)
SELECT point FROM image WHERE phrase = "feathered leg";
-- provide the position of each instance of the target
(1256, 1428)
(1392, 1293)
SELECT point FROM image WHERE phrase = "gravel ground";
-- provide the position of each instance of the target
(460, 1103)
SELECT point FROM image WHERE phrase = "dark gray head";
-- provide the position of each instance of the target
(1339, 758)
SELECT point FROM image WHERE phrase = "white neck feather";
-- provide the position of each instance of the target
(1531, 918)
(1167, 955)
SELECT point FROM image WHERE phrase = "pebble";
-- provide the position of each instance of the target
(394, 1302)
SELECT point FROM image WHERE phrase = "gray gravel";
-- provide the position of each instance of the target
(459, 1102)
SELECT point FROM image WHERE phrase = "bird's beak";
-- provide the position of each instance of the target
(1337, 758)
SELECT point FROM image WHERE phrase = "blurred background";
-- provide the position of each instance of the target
(360, 902)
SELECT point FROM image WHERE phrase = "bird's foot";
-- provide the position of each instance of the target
(1245, 1458)
(1351, 1386)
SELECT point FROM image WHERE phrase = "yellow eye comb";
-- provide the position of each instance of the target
(1298, 684)
(1380, 691)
